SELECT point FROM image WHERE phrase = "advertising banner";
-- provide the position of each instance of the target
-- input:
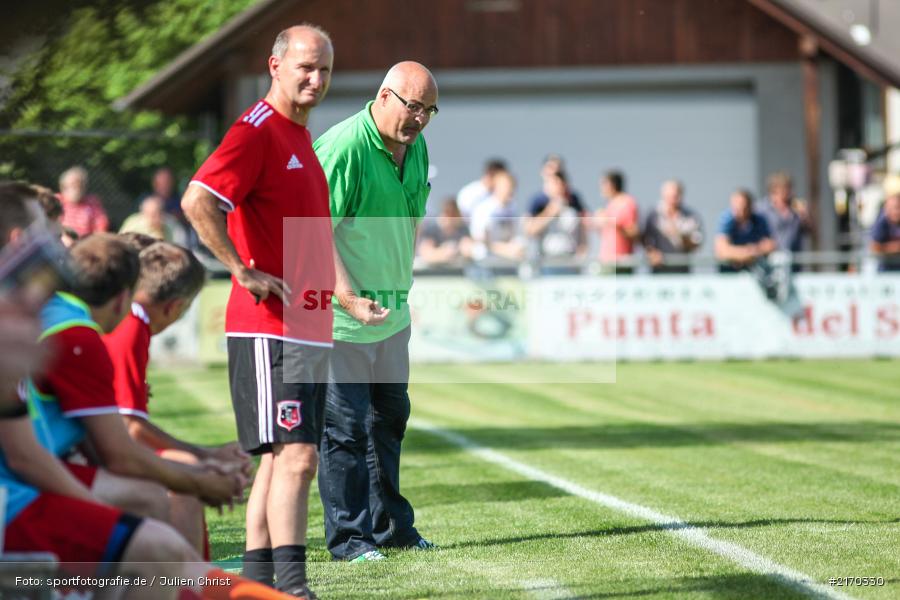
(714, 317)
(583, 318)
(460, 320)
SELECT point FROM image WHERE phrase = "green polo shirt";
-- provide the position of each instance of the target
(374, 211)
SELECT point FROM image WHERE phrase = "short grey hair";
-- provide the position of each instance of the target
(283, 39)
(676, 182)
(78, 171)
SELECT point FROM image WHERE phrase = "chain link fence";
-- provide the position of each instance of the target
(120, 164)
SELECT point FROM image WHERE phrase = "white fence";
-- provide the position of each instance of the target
(671, 317)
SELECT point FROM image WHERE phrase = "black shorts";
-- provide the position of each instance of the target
(277, 390)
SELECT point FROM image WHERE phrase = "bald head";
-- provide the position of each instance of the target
(405, 104)
(303, 34)
(409, 77)
(300, 67)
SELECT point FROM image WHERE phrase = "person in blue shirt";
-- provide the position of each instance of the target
(886, 235)
(744, 236)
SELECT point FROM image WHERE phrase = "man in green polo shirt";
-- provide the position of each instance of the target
(376, 163)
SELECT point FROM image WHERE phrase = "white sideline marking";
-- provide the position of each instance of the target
(546, 589)
(695, 536)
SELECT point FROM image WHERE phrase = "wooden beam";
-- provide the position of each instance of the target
(812, 118)
(827, 45)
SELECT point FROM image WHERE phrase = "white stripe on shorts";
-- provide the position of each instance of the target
(269, 401)
(260, 390)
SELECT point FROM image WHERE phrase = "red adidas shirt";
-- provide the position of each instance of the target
(273, 187)
(129, 350)
(81, 373)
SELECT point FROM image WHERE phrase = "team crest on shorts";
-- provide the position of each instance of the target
(289, 414)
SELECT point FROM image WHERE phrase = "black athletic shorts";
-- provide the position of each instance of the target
(277, 390)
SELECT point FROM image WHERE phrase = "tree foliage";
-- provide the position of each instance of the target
(100, 52)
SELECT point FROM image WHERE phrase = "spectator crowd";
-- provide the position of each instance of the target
(485, 225)
(76, 212)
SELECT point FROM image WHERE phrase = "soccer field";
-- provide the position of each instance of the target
(698, 480)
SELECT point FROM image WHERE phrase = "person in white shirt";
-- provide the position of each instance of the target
(495, 223)
(474, 193)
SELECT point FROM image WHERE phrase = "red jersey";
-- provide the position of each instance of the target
(81, 374)
(272, 186)
(129, 350)
(85, 217)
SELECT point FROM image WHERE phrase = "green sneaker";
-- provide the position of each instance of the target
(370, 556)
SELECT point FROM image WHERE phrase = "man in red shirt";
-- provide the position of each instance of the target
(169, 281)
(617, 223)
(267, 179)
(82, 212)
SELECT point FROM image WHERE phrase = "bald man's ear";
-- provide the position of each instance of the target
(274, 62)
(383, 95)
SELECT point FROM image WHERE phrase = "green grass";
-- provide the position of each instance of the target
(796, 461)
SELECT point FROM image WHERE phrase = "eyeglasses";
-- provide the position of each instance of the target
(416, 108)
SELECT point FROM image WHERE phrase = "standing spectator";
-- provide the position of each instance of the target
(474, 193)
(495, 222)
(82, 212)
(376, 162)
(553, 163)
(744, 237)
(445, 240)
(163, 184)
(151, 220)
(555, 220)
(265, 175)
(786, 216)
(617, 223)
(671, 229)
(886, 235)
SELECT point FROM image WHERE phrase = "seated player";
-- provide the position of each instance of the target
(170, 279)
(73, 401)
(47, 509)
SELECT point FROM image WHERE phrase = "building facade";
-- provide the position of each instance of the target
(716, 93)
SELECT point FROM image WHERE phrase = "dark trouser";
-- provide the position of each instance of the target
(366, 410)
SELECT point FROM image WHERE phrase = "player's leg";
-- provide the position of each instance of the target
(157, 550)
(295, 435)
(186, 512)
(132, 495)
(343, 474)
(392, 514)
(154, 542)
(252, 412)
(88, 538)
(293, 469)
(258, 550)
